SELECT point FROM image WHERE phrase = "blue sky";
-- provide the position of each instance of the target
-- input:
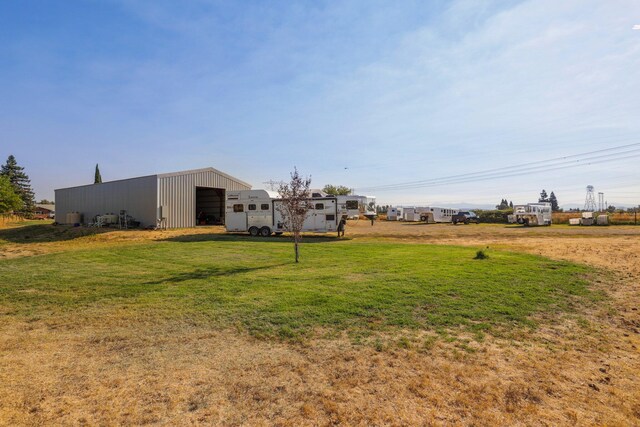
(362, 94)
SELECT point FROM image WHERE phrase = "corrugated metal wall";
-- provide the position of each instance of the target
(177, 192)
(136, 195)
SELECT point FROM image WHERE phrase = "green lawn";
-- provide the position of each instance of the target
(253, 284)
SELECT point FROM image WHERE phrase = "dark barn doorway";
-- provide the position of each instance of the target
(209, 206)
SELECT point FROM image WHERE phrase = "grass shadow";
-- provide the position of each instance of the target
(39, 233)
(209, 272)
(238, 237)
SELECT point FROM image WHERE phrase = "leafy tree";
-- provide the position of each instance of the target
(544, 197)
(511, 204)
(20, 182)
(97, 179)
(46, 202)
(294, 207)
(9, 200)
(554, 202)
(336, 190)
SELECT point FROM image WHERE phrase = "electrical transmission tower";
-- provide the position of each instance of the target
(590, 200)
(273, 185)
(601, 204)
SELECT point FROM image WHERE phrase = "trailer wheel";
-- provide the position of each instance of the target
(265, 232)
(423, 218)
(254, 231)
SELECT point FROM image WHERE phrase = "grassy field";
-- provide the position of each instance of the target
(252, 284)
(397, 324)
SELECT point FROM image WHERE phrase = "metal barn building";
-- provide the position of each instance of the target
(171, 200)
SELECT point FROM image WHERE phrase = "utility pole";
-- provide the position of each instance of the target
(273, 185)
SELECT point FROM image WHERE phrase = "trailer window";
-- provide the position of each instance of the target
(331, 217)
(238, 208)
(264, 206)
(252, 207)
(352, 204)
(319, 205)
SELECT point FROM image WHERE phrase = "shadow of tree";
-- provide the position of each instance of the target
(209, 272)
(39, 233)
(236, 237)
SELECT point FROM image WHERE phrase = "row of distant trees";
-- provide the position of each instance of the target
(544, 197)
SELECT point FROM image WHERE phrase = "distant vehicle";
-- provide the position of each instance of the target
(465, 217)
(531, 214)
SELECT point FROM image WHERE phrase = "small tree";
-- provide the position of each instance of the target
(336, 190)
(97, 178)
(294, 206)
(20, 182)
(9, 200)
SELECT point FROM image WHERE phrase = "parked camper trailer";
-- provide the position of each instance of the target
(256, 212)
(531, 214)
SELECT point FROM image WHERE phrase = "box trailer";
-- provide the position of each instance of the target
(531, 214)
(256, 212)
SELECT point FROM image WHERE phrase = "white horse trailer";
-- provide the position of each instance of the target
(437, 214)
(354, 206)
(256, 212)
(411, 214)
(392, 214)
(531, 214)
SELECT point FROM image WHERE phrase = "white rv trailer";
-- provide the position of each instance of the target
(531, 214)
(256, 211)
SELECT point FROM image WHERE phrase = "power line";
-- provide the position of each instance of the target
(529, 167)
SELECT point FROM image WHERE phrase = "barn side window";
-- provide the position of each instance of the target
(238, 208)
(252, 207)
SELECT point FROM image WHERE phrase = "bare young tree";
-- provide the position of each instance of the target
(294, 205)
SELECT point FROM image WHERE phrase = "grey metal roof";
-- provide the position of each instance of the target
(209, 169)
(165, 175)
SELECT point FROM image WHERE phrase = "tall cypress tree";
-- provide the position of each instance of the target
(544, 197)
(20, 182)
(97, 179)
(554, 202)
